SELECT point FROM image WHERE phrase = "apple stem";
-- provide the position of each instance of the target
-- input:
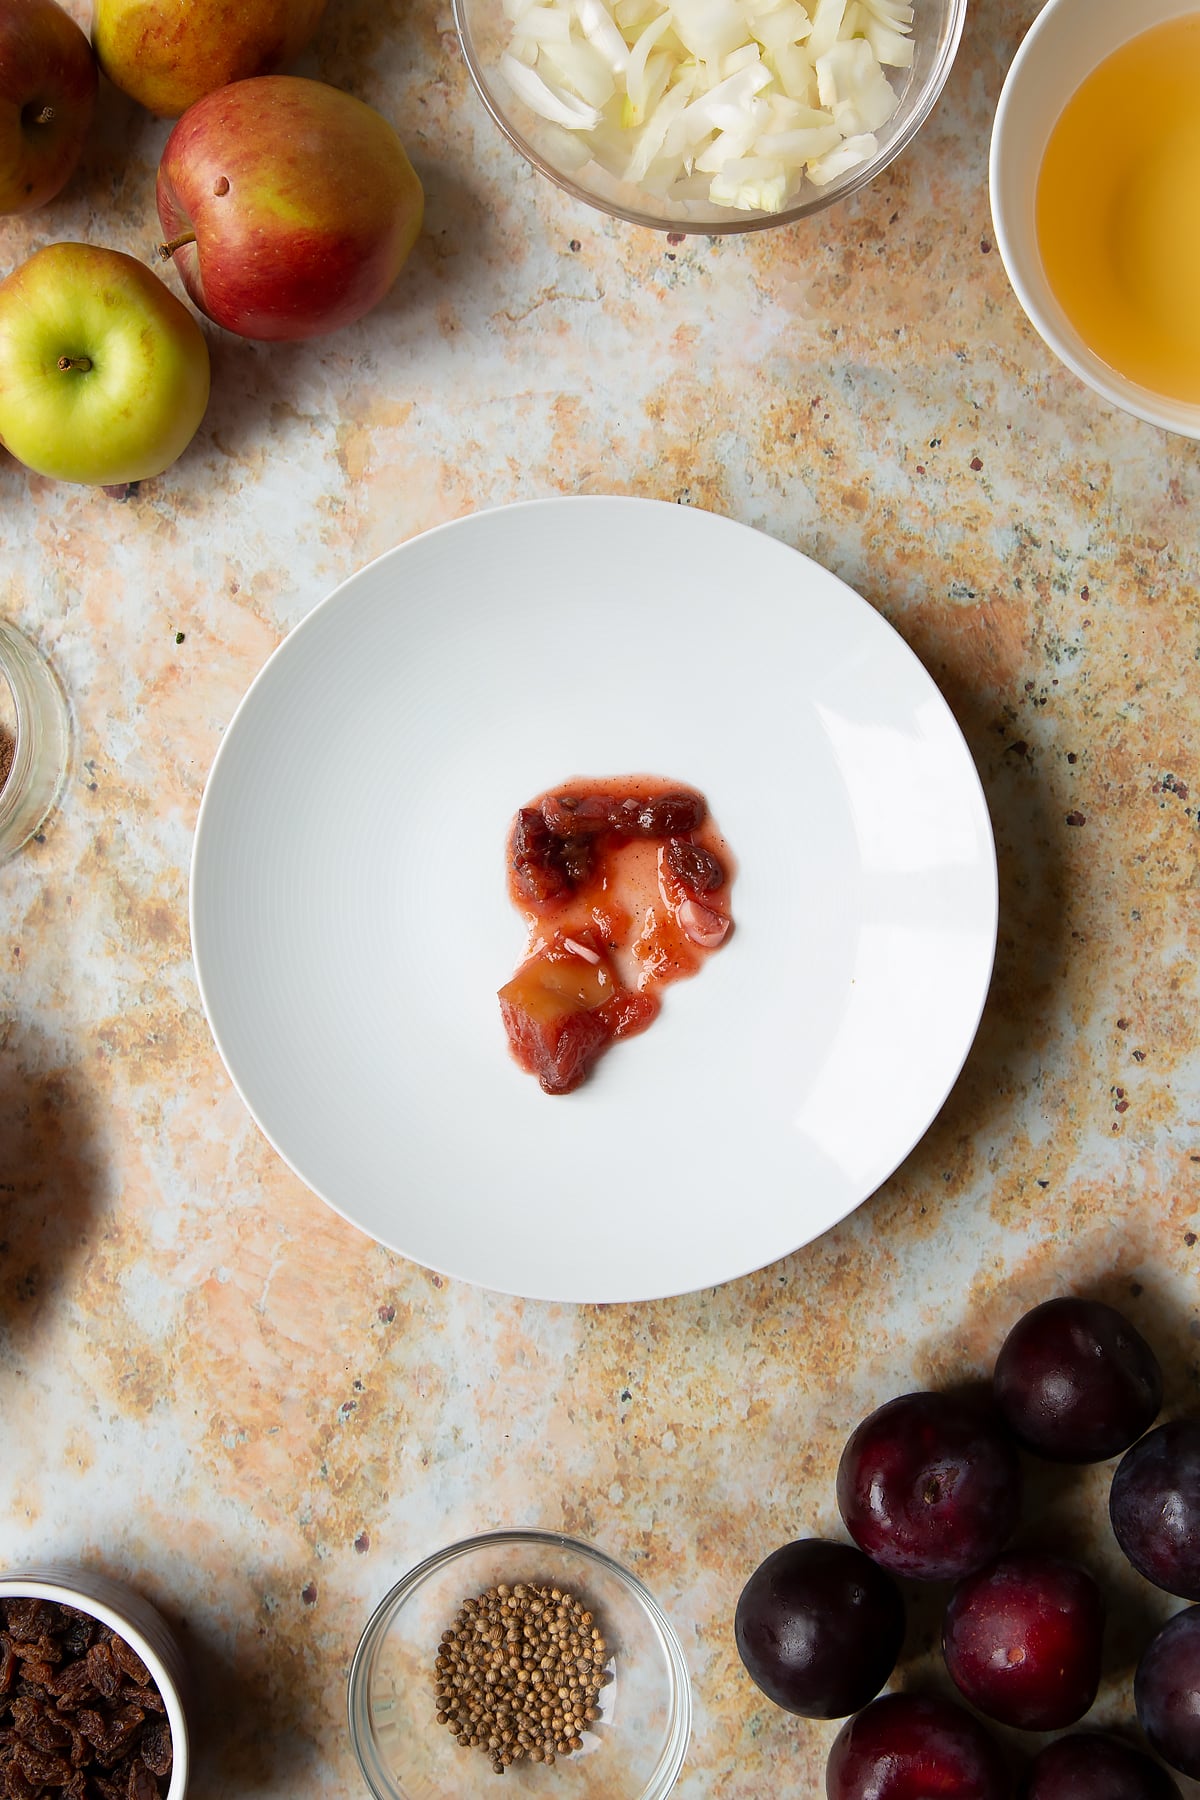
(167, 251)
(45, 116)
(82, 363)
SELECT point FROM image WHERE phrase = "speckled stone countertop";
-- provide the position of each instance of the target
(211, 1385)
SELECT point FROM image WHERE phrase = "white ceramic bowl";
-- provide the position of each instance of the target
(142, 1627)
(1066, 42)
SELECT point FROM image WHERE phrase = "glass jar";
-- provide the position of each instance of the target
(35, 738)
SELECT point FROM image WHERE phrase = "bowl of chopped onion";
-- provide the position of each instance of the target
(710, 115)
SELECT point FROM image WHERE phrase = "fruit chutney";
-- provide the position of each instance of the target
(624, 885)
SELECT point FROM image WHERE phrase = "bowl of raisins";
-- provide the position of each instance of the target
(91, 1687)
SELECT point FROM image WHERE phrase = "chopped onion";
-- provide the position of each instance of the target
(637, 83)
(599, 28)
(546, 25)
(827, 23)
(839, 162)
(559, 108)
(580, 70)
(735, 101)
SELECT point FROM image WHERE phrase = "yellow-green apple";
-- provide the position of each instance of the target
(103, 372)
(169, 53)
(288, 206)
(47, 97)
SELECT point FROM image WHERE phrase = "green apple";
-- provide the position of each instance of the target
(167, 53)
(103, 372)
(47, 95)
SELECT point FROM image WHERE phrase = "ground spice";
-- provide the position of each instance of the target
(7, 750)
(519, 1671)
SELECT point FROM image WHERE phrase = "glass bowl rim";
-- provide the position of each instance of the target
(670, 1762)
(855, 178)
(42, 742)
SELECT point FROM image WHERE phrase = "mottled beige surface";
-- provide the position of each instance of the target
(212, 1385)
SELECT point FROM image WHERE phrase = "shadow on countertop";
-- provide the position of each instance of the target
(251, 1735)
(51, 1174)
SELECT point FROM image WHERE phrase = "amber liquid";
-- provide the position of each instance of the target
(1118, 210)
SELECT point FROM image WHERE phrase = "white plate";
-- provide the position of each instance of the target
(351, 925)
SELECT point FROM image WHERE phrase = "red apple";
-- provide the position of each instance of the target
(288, 206)
(47, 97)
(168, 53)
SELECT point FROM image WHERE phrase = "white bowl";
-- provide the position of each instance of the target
(142, 1627)
(1066, 42)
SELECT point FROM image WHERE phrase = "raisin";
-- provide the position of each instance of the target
(104, 1670)
(576, 861)
(80, 1752)
(114, 1734)
(43, 1649)
(155, 1747)
(72, 1685)
(142, 1785)
(37, 1674)
(623, 815)
(667, 815)
(44, 1768)
(39, 1724)
(76, 1630)
(697, 868)
(27, 1620)
(536, 857)
(126, 1730)
(574, 816)
(129, 1660)
(8, 1662)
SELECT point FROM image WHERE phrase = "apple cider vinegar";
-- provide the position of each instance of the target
(1118, 209)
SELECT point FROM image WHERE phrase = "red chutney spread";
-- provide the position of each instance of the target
(624, 885)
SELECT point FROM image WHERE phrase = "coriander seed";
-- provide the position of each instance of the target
(519, 1672)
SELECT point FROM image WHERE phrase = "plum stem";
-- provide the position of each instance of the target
(82, 363)
(166, 251)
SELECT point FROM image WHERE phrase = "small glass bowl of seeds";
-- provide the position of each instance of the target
(520, 1659)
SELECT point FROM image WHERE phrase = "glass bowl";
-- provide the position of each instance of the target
(484, 31)
(635, 1749)
(35, 736)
